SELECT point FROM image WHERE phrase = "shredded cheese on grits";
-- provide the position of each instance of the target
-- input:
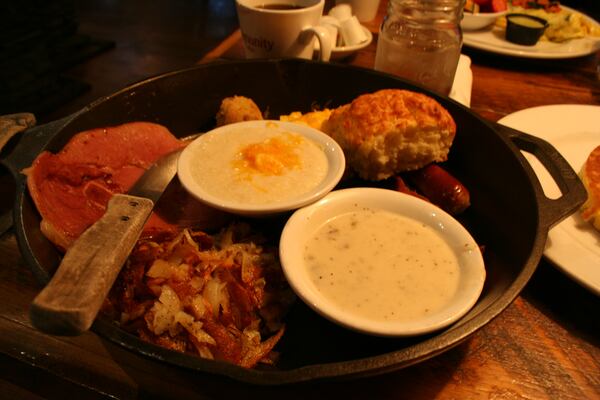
(271, 157)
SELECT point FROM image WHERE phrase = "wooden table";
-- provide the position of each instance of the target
(546, 345)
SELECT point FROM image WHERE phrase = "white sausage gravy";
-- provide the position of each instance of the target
(381, 265)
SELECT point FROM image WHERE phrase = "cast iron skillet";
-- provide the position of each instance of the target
(509, 215)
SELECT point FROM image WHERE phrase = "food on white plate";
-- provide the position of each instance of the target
(237, 109)
(590, 176)
(391, 131)
(71, 188)
(219, 296)
(524, 29)
(546, 5)
(563, 24)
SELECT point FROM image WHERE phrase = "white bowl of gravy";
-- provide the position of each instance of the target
(257, 168)
(382, 262)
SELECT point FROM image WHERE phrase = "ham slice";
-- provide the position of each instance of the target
(71, 188)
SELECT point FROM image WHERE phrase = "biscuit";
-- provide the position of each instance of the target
(391, 131)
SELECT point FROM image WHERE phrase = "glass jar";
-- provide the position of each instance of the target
(420, 40)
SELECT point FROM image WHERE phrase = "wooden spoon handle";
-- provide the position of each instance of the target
(70, 302)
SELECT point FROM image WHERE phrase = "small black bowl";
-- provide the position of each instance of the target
(524, 29)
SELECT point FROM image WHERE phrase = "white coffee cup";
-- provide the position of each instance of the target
(365, 10)
(283, 32)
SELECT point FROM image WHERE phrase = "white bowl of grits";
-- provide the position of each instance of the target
(382, 262)
(263, 167)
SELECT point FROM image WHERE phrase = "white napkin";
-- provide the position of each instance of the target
(463, 81)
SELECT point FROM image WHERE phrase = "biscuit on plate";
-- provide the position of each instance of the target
(391, 131)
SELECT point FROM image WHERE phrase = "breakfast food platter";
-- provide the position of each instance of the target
(574, 131)
(313, 347)
(492, 39)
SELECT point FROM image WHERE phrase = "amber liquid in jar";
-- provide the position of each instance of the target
(420, 40)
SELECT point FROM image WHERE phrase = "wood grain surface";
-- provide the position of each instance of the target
(546, 345)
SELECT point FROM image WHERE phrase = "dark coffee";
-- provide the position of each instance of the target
(280, 6)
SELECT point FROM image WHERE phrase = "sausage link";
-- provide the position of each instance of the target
(441, 188)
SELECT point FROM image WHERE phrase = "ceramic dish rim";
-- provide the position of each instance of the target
(335, 160)
(305, 220)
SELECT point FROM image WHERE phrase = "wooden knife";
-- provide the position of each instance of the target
(71, 300)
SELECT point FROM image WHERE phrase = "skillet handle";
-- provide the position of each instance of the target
(574, 194)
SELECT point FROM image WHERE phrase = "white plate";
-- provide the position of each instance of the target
(492, 39)
(574, 130)
(340, 52)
